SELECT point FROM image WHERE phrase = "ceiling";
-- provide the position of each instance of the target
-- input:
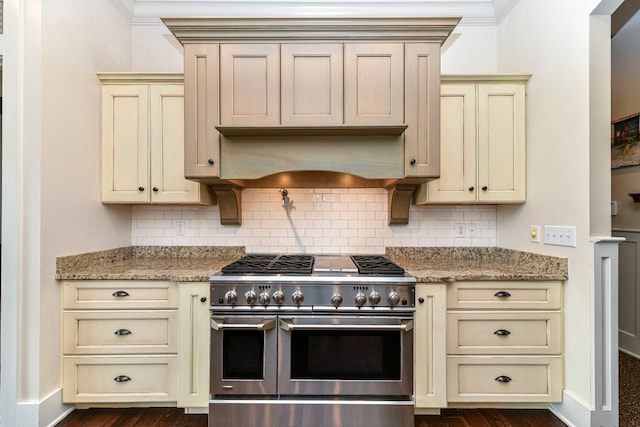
(476, 12)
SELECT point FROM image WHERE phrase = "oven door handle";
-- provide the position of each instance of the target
(265, 325)
(405, 326)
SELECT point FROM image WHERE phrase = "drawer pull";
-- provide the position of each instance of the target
(123, 332)
(502, 294)
(120, 294)
(503, 379)
(121, 379)
(502, 332)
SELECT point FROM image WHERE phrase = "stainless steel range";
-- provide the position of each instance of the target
(303, 340)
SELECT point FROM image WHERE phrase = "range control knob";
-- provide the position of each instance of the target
(394, 298)
(250, 297)
(360, 299)
(278, 297)
(374, 298)
(231, 297)
(264, 298)
(297, 297)
(336, 300)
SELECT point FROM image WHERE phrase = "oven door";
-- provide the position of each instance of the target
(346, 355)
(243, 355)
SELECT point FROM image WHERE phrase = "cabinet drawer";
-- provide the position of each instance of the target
(504, 333)
(123, 294)
(505, 295)
(120, 332)
(119, 379)
(504, 379)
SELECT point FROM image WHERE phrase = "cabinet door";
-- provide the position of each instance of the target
(457, 182)
(311, 79)
(125, 146)
(201, 97)
(501, 143)
(374, 84)
(194, 335)
(250, 84)
(422, 137)
(168, 184)
(430, 346)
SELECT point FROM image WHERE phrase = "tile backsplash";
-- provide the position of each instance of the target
(315, 221)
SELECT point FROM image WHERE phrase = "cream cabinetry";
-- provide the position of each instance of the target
(143, 141)
(430, 347)
(504, 342)
(120, 341)
(482, 151)
(193, 345)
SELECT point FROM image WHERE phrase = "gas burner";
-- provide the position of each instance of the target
(271, 264)
(376, 264)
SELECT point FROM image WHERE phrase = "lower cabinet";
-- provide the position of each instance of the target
(134, 342)
(194, 335)
(504, 342)
(430, 352)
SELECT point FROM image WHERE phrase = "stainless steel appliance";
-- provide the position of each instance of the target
(303, 340)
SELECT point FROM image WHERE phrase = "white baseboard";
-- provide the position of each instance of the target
(572, 411)
(576, 413)
(46, 412)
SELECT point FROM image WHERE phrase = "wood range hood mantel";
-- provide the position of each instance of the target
(261, 122)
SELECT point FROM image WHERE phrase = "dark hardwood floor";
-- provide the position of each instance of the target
(172, 417)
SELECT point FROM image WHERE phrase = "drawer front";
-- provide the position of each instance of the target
(120, 332)
(119, 379)
(504, 333)
(505, 295)
(504, 379)
(121, 294)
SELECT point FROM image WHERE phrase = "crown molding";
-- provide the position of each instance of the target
(473, 12)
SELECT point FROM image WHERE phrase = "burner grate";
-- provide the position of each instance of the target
(376, 265)
(271, 264)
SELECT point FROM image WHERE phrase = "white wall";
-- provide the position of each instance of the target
(53, 186)
(551, 40)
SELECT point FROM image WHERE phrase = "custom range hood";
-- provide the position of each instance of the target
(312, 102)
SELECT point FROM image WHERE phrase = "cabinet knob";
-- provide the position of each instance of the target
(485, 188)
(421, 300)
(210, 161)
(471, 188)
(123, 332)
(121, 379)
(155, 189)
(120, 294)
(502, 332)
(203, 299)
(412, 161)
(502, 294)
(503, 379)
(141, 188)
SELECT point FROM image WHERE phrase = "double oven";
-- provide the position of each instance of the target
(303, 340)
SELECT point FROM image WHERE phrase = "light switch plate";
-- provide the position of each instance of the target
(534, 235)
(560, 235)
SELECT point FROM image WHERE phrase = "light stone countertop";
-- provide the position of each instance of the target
(449, 264)
(198, 263)
(172, 263)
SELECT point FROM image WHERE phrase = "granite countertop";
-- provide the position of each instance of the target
(198, 263)
(172, 263)
(449, 264)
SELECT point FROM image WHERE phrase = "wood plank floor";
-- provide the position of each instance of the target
(172, 417)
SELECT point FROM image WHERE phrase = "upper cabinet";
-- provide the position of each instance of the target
(482, 149)
(337, 102)
(142, 141)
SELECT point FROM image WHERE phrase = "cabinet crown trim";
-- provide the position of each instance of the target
(228, 29)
